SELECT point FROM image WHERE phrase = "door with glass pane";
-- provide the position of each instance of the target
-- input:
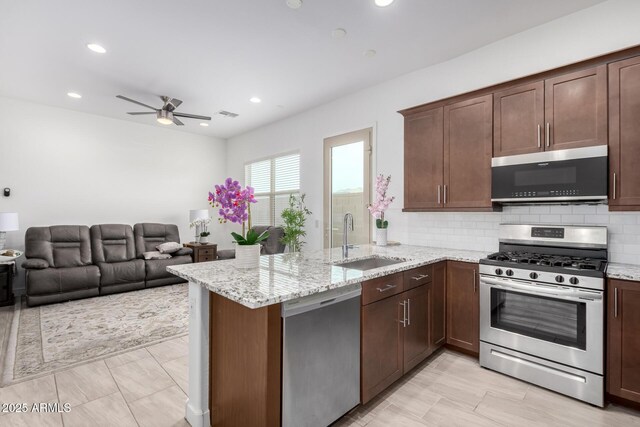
(347, 186)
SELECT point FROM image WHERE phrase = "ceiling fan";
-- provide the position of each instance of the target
(166, 114)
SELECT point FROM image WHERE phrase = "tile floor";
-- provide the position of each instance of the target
(147, 387)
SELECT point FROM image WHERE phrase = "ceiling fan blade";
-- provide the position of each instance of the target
(139, 114)
(192, 116)
(175, 102)
(177, 122)
(135, 102)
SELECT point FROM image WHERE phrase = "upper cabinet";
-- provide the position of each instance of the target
(624, 134)
(445, 149)
(567, 111)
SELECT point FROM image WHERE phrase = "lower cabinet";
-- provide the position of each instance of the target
(402, 329)
(623, 340)
(463, 305)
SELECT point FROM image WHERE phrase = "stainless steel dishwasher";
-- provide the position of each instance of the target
(321, 357)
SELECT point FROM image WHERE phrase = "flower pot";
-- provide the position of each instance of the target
(248, 256)
(204, 239)
(381, 237)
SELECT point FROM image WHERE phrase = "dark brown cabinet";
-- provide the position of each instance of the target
(623, 324)
(416, 330)
(437, 308)
(468, 142)
(518, 120)
(566, 111)
(463, 306)
(624, 135)
(423, 159)
(448, 156)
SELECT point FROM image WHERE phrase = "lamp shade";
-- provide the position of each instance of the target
(9, 221)
(198, 214)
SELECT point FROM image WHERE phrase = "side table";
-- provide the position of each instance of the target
(6, 284)
(203, 252)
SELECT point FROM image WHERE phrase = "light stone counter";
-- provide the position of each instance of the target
(285, 277)
(623, 271)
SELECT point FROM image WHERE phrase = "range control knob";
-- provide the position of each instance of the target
(499, 271)
(509, 272)
(559, 279)
(533, 275)
(574, 281)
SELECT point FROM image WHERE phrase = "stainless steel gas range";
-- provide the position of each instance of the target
(542, 308)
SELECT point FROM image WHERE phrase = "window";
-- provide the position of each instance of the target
(273, 181)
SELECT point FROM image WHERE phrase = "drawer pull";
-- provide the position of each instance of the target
(386, 288)
(420, 277)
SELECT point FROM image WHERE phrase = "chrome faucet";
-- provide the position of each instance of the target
(346, 225)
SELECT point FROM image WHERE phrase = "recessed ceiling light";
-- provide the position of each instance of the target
(96, 48)
(294, 4)
(369, 53)
(255, 100)
(74, 95)
(383, 3)
(338, 33)
(204, 125)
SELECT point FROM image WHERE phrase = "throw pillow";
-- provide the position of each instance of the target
(155, 255)
(169, 247)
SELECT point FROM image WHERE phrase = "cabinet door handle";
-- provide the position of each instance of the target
(539, 136)
(420, 277)
(445, 194)
(404, 314)
(548, 134)
(408, 311)
(615, 303)
(475, 285)
(386, 288)
(614, 186)
(438, 194)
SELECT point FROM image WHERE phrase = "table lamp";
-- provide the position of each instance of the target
(8, 222)
(196, 214)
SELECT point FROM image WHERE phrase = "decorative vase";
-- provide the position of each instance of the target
(381, 237)
(204, 239)
(248, 256)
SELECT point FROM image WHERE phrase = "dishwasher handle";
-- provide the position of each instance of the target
(304, 307)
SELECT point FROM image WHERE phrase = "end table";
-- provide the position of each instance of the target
(6, 284)
(203, 252)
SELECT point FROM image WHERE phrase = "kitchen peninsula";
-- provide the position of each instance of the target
(235, 332)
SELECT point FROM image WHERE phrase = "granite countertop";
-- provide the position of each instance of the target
(623, 271)
(285, 277)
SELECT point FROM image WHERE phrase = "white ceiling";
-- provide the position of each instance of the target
(215, 54)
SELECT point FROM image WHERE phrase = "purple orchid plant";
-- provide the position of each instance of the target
(234, 205)
(382, 201)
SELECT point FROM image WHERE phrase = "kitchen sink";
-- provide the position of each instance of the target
(370, 263)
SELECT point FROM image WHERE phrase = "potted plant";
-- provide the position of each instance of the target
(234, 204)
(204, 237)
(294, 218)
(379, 206)
(200, 225)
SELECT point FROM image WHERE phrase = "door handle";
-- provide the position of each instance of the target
(408, 311)
(475, 285)
(614, 186)
(615, 303)
(539, 136)
(404, 314)
(386, 288)
(548, 134)
(445, 194)
(420, 277)
(438, 194)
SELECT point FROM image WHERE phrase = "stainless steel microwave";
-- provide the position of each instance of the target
(578, 174)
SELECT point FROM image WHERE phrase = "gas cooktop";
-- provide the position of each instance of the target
(532, 258)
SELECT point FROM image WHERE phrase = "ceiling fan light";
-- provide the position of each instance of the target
(383, 3)
(165, 117)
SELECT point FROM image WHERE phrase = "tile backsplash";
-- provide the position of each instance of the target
(479, 231)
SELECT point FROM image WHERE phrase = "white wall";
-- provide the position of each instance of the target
(65, 167)
(604, 28)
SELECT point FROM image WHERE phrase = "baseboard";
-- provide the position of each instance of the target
(197, 418)
(622, 401)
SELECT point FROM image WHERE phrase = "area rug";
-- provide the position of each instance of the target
(58, 336)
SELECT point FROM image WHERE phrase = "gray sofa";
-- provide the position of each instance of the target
(66, 262)
(271, 246)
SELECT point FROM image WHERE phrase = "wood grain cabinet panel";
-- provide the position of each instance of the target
(518, 120)
(437, 308)
(381, 346)
(416, 330)
(463, 306)
(576, 109)
(623, 370)
(423, 159)
(624, 134)
(468, 145)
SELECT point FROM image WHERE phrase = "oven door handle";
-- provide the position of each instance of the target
(567, 294)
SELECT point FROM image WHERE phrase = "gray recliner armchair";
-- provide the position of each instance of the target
(271, 246)
(113, 251)
(147, 237)
(58, 265)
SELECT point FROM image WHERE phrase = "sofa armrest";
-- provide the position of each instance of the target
(35, 264)
(182, 251)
